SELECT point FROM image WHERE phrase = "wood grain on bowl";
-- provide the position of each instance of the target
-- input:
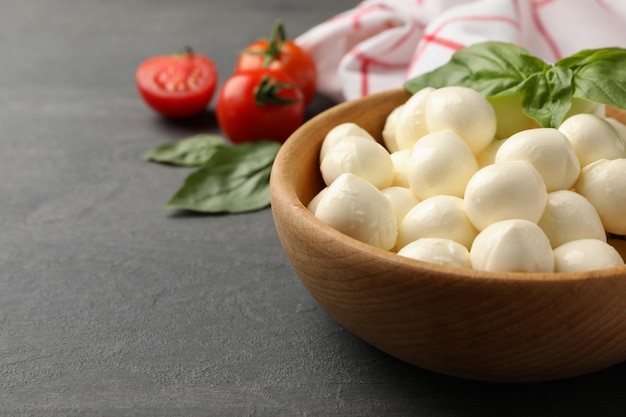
(465, 323)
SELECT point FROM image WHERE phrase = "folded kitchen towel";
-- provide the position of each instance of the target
(380, 44)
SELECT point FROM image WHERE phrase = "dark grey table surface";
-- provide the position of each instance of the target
(111, 305)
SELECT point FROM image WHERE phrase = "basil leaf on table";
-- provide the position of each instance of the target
(234, 179)
(189, 152)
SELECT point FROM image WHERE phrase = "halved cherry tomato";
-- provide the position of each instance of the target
(176, 86)
(281, 54)
(259, 104)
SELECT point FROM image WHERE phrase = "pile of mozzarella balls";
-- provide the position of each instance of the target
(459, 181)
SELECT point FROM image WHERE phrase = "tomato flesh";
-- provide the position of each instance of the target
(177, 85)
(179, 78)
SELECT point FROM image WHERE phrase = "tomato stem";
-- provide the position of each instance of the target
(274, 45)
(278, 33)
(186, 51)
(267, 92)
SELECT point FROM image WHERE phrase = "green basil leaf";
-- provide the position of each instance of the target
(491, 68)
(235, 179)
(589, 56)
(547, 96)
(498, 69)
(599, 75)
(192, 151)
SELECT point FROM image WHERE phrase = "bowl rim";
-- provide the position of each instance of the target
(283, 192)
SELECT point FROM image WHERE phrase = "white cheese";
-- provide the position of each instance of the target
(548, 151)
(400, 160)
(410, 121)
(312, 206)
(464, 111)
(586, 255)
(356, 208)
(440, 163)
(360, 156)
(441, 216)
(593, 138)
(389, 129)
(515, 245)
(437, 251)
(338, 133)
(508, 190)
(570, 216)
(603, 183)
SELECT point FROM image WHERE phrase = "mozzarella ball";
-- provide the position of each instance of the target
(570, 216)
(593, 138)
(437, 251)
(441, 216)
(411, 121)
(400, 160)
(312, 206)
(514, 245)
(586, 255)
(548, 151)
(464, 111)
(356, 208)
(440, 163)
(389, 129)
(508, 190)
(338, 133)
(360, 156)
(603, 183)
(402, 200)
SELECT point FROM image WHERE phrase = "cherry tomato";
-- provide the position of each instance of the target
(281, 54)
(176, 86)
(259, 104)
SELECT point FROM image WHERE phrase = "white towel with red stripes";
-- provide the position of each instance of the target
(380, 44)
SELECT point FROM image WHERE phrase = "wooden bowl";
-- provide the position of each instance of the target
(471, 324)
